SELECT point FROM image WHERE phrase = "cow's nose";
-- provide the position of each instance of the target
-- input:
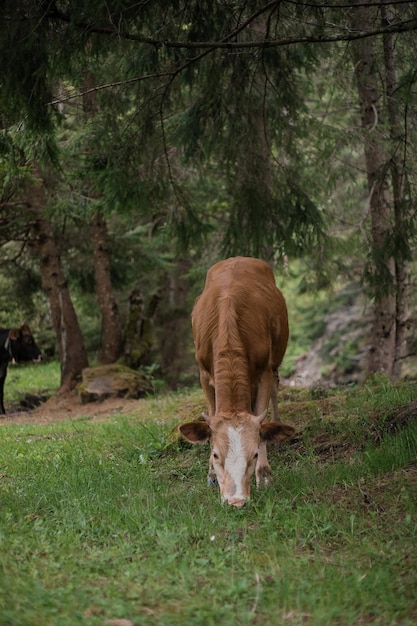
(237, 502)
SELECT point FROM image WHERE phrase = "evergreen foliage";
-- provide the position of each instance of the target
(194, 130)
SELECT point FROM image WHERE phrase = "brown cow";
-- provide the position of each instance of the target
(240, 328)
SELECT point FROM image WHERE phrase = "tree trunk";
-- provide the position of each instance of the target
(176, 351)
(401, 246)
(139, 334)
(111, 331)
(384, 331)
(72, 353)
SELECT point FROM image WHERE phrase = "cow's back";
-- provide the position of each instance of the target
(241, 308)
(240, 329)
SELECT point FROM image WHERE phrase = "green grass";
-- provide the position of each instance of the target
(109, 520)
(33, 378)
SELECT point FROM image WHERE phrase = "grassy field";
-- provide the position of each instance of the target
(110, 521)
(35, 379)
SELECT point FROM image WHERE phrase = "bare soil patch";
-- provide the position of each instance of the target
(68, 406)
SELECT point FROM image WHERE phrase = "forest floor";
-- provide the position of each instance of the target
(327, 422)
(60, 407)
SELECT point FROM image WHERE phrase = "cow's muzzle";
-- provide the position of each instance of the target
(237, 502)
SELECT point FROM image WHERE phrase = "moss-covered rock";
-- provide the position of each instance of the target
(107, 381)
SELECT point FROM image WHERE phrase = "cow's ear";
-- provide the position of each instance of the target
(195, 432)
(276, 433)
(14, 334)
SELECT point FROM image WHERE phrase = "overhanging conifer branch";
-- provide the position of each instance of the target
(208, 47)
(226, 43)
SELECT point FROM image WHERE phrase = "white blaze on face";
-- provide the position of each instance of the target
(235, 463)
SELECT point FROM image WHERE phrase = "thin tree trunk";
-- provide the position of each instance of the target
(175, 352)
(111, 329)
(72, 353)
(384, 331)
(112, 338)
(397, 135)
(139, 333)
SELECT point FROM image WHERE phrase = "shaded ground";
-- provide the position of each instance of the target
(294, 408)
(68, 406)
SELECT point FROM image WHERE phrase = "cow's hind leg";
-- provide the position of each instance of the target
(274, 399)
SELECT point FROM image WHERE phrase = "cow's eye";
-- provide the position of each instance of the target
(255, 456)
(215, 456)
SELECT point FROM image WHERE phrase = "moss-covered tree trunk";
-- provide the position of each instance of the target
(176, 351)
(139, 332)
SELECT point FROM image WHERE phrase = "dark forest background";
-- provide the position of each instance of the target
(142, 142)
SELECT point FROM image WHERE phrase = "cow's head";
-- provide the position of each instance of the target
(22, 345)
(235, 446)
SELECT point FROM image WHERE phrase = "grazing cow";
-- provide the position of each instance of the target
(240, 328)
(17, 345)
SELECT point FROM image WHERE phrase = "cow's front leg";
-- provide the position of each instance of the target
(263, 471)
(211, 476)
(2, 379)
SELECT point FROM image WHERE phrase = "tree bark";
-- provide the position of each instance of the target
(176, 353)
(111, 331)
(384, 329)
(401, 249)
(139, 333)
(72, 353)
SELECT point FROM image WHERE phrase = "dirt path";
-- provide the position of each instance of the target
(68, 406)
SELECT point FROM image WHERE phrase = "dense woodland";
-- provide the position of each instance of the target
(142, 141)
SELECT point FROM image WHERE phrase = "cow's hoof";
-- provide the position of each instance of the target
(263, 477)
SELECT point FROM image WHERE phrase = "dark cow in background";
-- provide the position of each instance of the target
(16, 344)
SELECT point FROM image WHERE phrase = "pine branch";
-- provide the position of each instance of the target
(226, 43)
